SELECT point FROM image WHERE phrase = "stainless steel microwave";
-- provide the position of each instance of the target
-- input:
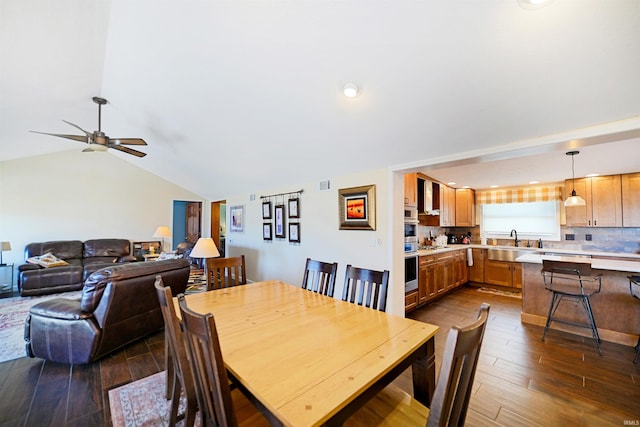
(411, 214)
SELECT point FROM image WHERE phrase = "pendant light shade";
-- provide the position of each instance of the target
(574, 199)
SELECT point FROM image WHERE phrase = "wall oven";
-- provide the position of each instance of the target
(410, 272)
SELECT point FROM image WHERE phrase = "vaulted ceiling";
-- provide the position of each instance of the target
(238, 96)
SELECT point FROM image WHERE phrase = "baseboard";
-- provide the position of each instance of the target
(605, 334)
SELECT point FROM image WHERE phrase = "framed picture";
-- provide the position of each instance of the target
(294, 208)
(266, 231)
(237, 218)
(266, 210)
(279, 213)
(294, 232)
(357, 208)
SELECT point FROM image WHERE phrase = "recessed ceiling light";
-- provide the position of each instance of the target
(592, 174)
(494, 186)
(465, 186)
(350, 90)
(451, 183)
(534, 182)
(534, 4)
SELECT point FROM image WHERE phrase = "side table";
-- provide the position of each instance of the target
(6, 278)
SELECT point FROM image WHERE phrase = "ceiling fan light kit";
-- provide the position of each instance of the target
(98, 140)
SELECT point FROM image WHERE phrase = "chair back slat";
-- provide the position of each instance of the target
(225, 272)
(177, 355)
(459, 362)
(366, 287)
(320, 277)
(210, 376)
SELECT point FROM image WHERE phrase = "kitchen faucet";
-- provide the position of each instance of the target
(516, 233)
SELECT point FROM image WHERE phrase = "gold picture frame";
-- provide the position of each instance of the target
(357, 208)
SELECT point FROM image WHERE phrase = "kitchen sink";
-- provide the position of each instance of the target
(505, 254)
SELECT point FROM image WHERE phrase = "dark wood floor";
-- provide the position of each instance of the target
(520, 380)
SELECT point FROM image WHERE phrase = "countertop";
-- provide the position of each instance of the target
(597, 259)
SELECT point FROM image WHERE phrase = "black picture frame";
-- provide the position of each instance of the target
(294, 208)
(267, 231)
(294, 232)
(280, 224)
(266, 210)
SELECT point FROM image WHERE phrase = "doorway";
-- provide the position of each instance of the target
(219, 225)
(187, 220)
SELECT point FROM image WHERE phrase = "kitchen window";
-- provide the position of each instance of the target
(533, 220)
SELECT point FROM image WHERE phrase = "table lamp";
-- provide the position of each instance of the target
(162, 231)
(6, 246)
(205, 248)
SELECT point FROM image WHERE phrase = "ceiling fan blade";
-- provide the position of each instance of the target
(77, 127)
(128, 141)
(59, 135)
(127, 150)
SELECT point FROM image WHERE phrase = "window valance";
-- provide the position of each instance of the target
(520, 195)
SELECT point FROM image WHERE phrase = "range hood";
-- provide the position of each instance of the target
(428, 204)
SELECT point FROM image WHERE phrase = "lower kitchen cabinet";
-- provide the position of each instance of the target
(476, 271)
(503, 273)
(437, 274)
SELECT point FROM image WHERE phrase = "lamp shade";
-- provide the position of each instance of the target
(574, 200)
(205, 248)
(162, 231)
(5, 246)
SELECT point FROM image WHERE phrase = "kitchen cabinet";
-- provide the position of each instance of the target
(603, 195)
(426, 278)
(465, 207)
(476, 271)
(410, 301)
(445, 272)
(631, 200)
(503, 273)
(460, 271)
(411, 189)
(447, 206)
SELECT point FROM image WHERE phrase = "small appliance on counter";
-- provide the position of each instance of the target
(452, 239)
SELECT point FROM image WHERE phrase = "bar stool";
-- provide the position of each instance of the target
(571, 280)
(633, 282)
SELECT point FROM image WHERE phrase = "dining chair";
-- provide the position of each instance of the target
(394, 407)
(366, 287)
(225, 272)
(320, 277)
(179, 376)
(218, 406)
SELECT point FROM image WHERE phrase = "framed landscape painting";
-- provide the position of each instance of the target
(357, 208)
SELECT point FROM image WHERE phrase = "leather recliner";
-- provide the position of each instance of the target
(118, 306)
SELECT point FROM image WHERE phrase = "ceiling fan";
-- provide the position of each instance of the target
(97, 140)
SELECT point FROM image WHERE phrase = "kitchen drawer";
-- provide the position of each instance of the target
(447, 256)
(426, 260)
(410, 301)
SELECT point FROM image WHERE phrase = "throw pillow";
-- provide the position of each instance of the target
(47, 260)
(168, 255)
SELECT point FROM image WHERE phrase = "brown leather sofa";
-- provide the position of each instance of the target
(118, 306)
(83, 258)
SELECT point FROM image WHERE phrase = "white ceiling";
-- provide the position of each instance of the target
(240, 96)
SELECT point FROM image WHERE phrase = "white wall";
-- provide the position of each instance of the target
(320, 236)
(75, 195)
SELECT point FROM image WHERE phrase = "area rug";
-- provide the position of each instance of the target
(13, 312)
(143, 403)
(502, 292)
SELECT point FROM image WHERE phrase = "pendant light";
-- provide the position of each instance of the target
(574, 200)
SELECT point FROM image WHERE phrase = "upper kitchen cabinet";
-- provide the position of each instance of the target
(603, 195)
(465, 207)
(631, 200)
(411, 189)
(447, 206)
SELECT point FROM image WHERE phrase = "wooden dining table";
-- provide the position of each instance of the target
(306, 359)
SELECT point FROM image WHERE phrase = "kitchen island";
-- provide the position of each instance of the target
(616, 313)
